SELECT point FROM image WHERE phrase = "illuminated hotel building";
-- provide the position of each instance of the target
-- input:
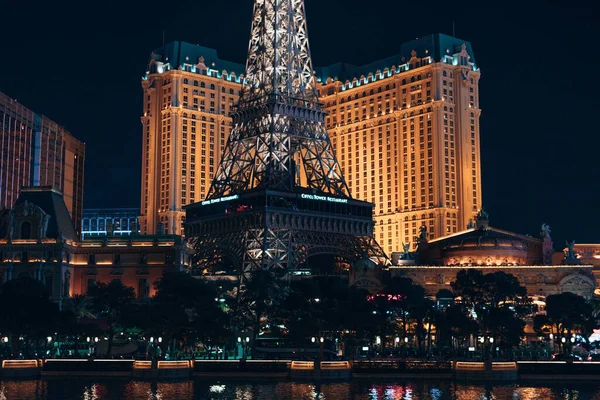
(36, 151)
(188, 94)
(406, 132)
(405, 129)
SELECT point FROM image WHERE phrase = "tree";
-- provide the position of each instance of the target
(26, 311)
(184, 309)
(111, 302)
(81, 306)
(496, 301)
(569, 313)
(259, 301)
(315, 306)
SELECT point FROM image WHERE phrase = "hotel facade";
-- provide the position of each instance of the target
(36, 151)
(405, 130)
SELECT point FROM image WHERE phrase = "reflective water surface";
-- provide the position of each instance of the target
(123, 389)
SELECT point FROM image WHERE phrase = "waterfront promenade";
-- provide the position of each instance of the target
(306, 370)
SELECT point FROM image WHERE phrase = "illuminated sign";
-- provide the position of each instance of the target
(220, 200)
(324, 198)
(388, 297)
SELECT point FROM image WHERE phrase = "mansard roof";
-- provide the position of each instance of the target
(51, 202)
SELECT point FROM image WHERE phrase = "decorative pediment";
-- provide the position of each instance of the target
(414, 58)
(200, 65)
(27, 221)
(578, 280)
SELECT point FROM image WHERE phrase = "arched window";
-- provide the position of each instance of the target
(185, 81)
(231, 91)
(195, 83)
(212, 86)
(26, 230)
(202, 84)
(444, 73)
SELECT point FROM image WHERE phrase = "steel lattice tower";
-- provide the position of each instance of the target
(260, 213)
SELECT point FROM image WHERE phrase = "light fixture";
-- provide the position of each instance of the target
(247, 339)
(312, 339)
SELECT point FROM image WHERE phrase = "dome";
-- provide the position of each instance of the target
(483, 241)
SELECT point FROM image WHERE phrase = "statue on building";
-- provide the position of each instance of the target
(11, 226)
(67, 284)
(483, 215)
(422, 234)
(545, 231)
(570, 253)
(405, 251)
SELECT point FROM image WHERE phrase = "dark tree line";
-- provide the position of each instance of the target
(186, 312)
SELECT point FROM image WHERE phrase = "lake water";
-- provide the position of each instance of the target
(124, 389)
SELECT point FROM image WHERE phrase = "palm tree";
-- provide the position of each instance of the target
(80, 306)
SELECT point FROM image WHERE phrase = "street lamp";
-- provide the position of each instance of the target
(378, 340)
(312, 339)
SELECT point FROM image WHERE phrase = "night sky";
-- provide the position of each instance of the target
(81, 63)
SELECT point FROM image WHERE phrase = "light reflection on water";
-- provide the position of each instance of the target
(123, 389)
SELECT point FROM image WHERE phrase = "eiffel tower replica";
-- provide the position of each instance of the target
(279, 196)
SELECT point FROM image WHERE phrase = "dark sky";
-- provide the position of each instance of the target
(81, 63)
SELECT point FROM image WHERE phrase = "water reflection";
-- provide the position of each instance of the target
(124, 389)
